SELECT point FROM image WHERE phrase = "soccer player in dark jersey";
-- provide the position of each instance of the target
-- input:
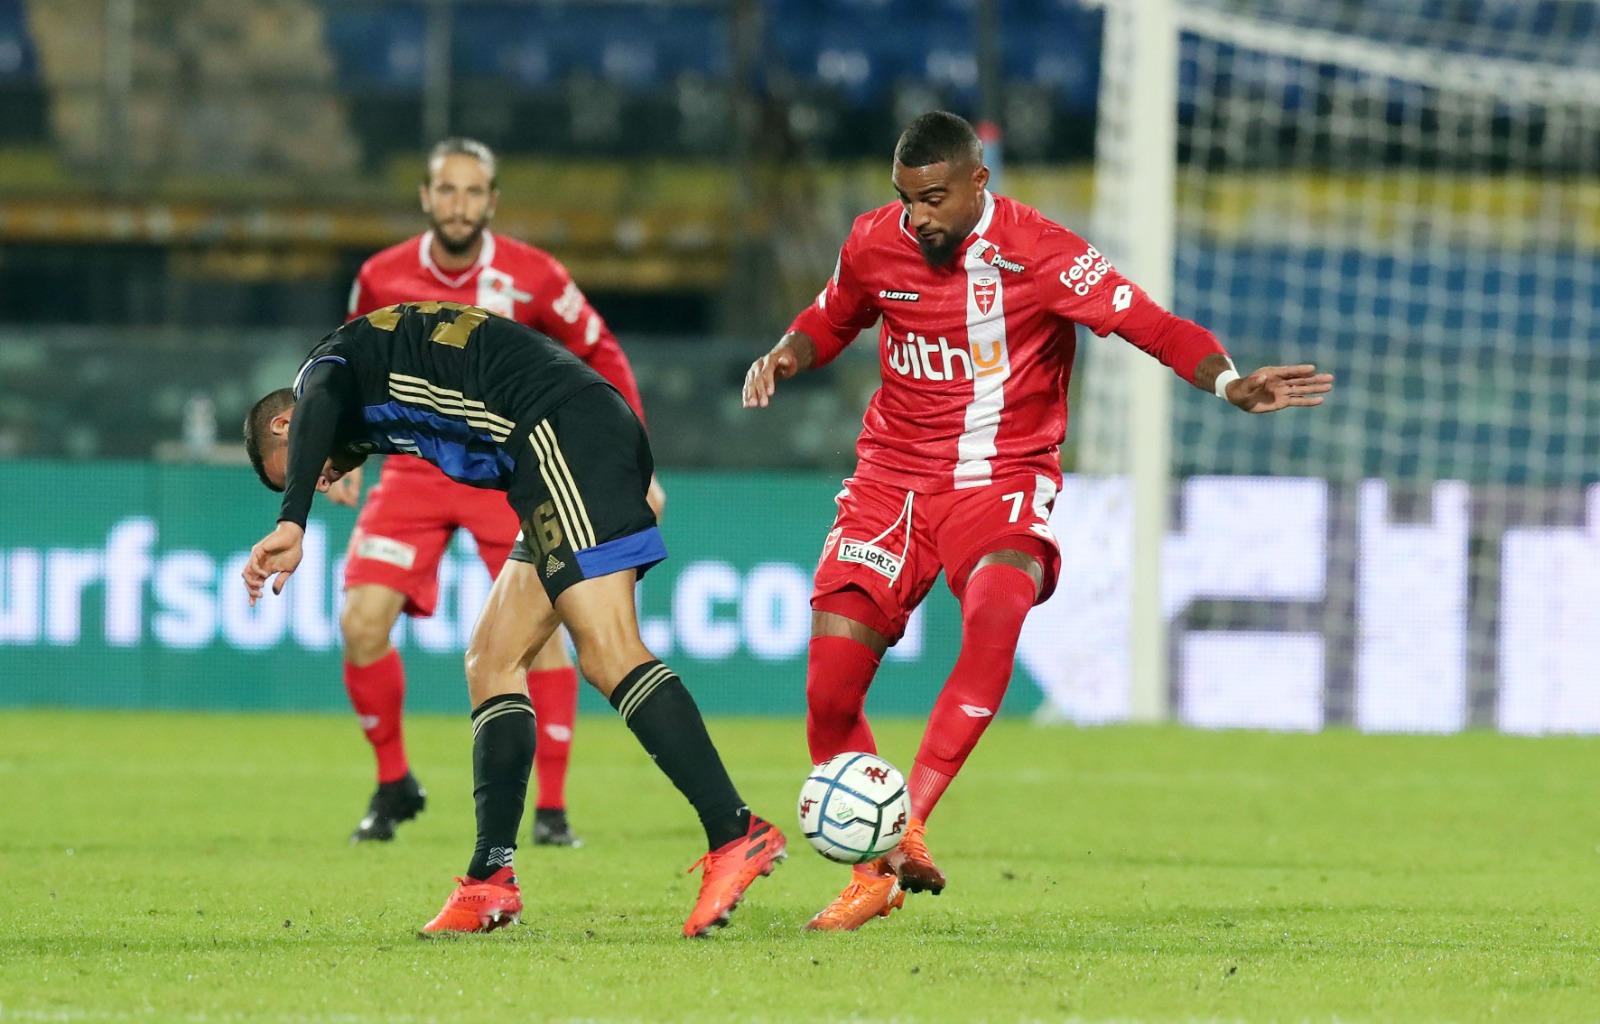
(496, 405)
(411, 516)
(959, 456)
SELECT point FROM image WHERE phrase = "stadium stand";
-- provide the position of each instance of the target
(23, 116)
(209, 90)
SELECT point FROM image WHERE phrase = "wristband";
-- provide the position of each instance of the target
(1225, 378)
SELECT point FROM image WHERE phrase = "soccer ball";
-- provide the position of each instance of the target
(854, 807)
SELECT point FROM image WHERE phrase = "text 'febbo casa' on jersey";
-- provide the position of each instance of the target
(448, 383)
(975, 355)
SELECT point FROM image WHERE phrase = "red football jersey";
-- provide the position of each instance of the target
(976, 355)
(511, 278)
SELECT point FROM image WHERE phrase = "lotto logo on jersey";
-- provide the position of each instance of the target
(1087, 271)
(920, 358)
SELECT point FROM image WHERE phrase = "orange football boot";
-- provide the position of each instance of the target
(729, 870)
(873, 892)
(912, 863)
(479, 906)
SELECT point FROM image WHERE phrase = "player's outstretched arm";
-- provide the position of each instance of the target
(793, 353)
(277, 554)
(1268, 389)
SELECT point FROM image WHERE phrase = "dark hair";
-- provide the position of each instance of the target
(938, 137)
(258, 427)
(458, 145)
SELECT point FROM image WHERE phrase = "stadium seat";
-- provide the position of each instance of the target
(18, 62)
(377, 47)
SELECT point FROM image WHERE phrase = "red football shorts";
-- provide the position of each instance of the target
(407, 523)
(888, 545)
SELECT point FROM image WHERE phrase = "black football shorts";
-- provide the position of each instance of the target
(581, 477)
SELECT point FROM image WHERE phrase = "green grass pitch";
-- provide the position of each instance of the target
(195, 868)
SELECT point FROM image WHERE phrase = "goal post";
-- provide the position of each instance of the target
(1134, 222)
(1407, 195)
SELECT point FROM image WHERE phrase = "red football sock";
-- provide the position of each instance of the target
(378, 692)
(996, 601)
(555, 706)
(838, 672)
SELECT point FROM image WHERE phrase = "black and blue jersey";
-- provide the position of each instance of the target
(445, 382)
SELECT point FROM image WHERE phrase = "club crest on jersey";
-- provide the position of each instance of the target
(870, 555)
(983, 294)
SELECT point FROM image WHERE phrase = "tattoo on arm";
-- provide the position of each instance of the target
(805, 350)
(1205, 375)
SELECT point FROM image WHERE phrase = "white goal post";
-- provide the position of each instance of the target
(1406, 194)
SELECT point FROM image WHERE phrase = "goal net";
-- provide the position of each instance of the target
(1407, 195)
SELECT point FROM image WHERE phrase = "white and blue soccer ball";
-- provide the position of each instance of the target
(854, 807)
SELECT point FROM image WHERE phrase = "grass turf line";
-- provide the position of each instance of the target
(194, 867)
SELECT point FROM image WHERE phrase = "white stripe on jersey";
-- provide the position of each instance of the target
(991, 364)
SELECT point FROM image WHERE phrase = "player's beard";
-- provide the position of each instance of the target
(463, 245)
(937, 254)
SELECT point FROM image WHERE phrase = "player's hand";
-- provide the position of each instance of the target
(347, 489)
(1278, 387)
(276, 554)
(656, 496)
(762, 378)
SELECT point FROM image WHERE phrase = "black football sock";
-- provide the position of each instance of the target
(659, 710)
(503, 737)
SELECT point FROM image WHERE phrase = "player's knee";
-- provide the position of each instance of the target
(485, 667)
(995, 605)
(601, 671)
(996, 621)
(366, 632)
(605, 664)
(474, 665)
(826, 701)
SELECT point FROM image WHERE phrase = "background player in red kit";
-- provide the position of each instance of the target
(958, 460)
(410, 516)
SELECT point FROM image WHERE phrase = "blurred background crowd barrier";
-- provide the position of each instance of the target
(1406, 192)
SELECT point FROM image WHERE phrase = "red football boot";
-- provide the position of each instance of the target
(729, 870)
(479, 906)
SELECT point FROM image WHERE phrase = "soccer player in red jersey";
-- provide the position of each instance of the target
(958, 459)
(408, 520)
